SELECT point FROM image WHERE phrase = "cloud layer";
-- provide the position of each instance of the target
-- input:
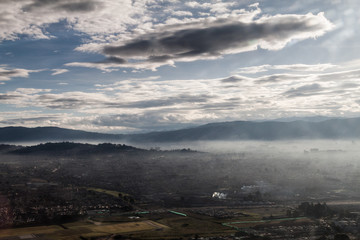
(153, 104)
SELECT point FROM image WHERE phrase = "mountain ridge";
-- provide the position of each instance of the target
(342, 128)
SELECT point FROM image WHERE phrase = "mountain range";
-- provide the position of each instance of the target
(238, 130)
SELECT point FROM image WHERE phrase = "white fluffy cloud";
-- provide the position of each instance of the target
(97, 18)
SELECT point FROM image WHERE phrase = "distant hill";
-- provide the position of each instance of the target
(7, 147)
(269, 130)
(238, 130)
(22, 134)
(64, 148)
(306, 119)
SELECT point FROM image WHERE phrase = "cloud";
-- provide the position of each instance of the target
(182, 13)
(61, 5)
(288, 67)
(58, 71)
(211, 38)
(344, 75)
(109, 65)
(217, 7)
(151, 103)
(70, 100)
(7, 73)
(81, 100)
(305, 90)
(6, 97)
(148, 34)
(225, 38)
(26, 121)
(281, 78)
(153, 121)
(234, 79)
(31, 90)
(92, 17)
(86, 101)
(163, 102)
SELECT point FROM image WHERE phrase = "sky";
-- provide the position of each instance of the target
(152, 65)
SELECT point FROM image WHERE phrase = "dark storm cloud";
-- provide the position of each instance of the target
(218, 38)
(162, 58)
(305, 91)
(192, 42)
(65, 5)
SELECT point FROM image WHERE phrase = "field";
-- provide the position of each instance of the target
(163, 224)
(181, 226)
(83, 229)
(238, 225)
(29, 230)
